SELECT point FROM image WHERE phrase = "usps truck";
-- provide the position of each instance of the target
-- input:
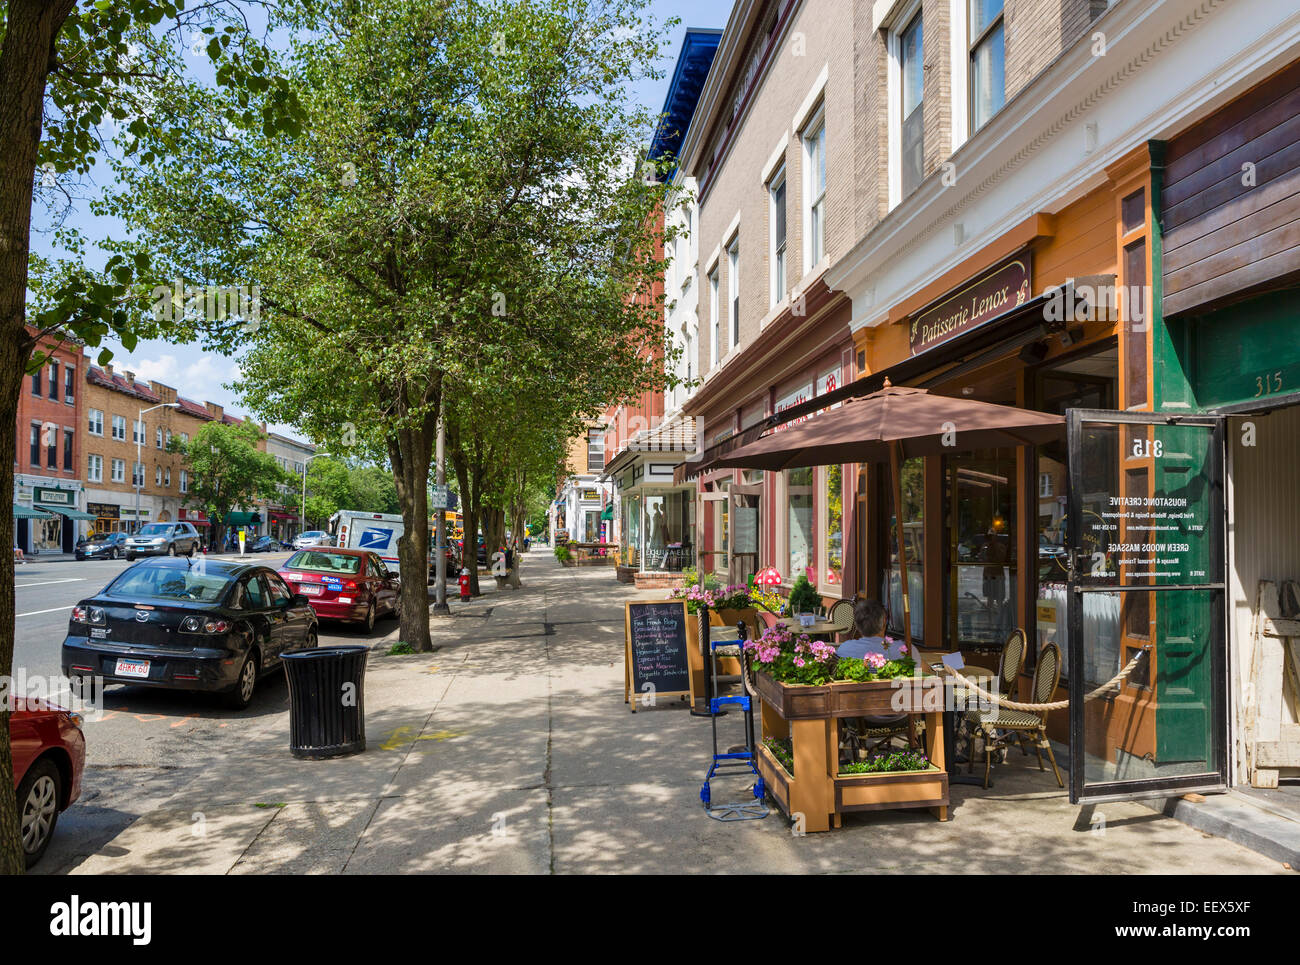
(377, 532)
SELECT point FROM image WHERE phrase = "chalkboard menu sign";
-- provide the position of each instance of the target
(655, 662)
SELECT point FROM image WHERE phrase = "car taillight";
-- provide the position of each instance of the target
(349, 584)
(79, 614)
(216, 626)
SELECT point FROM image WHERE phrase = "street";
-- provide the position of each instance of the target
(148, 742)
(510, 750)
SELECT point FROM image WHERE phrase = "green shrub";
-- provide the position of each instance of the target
(563, 553)
(804, 597)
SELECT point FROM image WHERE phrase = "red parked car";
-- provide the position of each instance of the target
(343, 584)
(49, 754)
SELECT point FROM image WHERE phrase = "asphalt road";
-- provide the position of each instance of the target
(147, 743)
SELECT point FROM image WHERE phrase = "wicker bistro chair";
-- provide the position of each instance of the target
(1010, 664)
(841, 614)
(1001, 726)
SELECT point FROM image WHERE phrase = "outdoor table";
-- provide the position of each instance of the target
(818, 628)
(950, 719)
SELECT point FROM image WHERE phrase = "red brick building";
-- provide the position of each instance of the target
(48, 491)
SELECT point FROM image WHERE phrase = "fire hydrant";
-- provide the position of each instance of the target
(463, 580)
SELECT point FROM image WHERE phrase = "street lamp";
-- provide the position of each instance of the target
(139, 461)
(302, 510)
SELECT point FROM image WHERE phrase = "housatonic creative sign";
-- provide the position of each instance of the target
(996, 291)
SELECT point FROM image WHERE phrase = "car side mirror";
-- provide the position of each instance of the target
(299, 599)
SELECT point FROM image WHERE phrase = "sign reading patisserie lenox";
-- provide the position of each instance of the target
(998, 290)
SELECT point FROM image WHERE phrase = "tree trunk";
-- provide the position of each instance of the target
(469, 493)
(411, 452)
(25, 55)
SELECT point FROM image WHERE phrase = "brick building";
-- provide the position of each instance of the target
(48, 501)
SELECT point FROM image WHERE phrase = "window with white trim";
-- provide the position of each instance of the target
(94, 468)
(776, 195)
(814, 152)
(138, 432)
(716, 354)
(119, 428)
(986, 41)
(119, 470)
(95, 422)
(185, 481)
(911, 51)
(733, 288)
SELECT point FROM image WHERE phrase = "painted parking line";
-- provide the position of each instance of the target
(75, 579)
(36, 613)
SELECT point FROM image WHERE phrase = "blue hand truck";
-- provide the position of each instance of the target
(734, 759)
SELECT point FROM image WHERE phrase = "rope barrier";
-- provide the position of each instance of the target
(1054, 705)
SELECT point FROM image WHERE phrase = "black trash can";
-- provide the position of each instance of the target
(327, 716)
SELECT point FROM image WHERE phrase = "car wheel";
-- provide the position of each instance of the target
(130, 557)
(311, 641)
(241, 694)
(369, 622)
(38, 808)
(171, 549)
(114, 554)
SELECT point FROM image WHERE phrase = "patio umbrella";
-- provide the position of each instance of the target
(893, 424)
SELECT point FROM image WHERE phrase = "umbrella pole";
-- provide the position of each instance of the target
(902, 546)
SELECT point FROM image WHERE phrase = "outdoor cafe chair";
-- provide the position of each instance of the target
(841, 614)
(1001, 726)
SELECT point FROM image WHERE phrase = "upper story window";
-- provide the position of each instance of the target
(776, 192)
(95, 422)
(715, 352)
(595, 450)
(987, 44)
(158, 437)
(814, 146)
(36, 382)
(912, 84)
(139, 432)
(69, 384)
(54, 381)
(119, 428)
(733, 288)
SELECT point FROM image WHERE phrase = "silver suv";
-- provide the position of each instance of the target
(163, 539)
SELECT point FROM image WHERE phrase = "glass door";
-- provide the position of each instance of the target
(1145, 604)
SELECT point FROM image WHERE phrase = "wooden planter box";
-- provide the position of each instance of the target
(912, 695)
(809, 717)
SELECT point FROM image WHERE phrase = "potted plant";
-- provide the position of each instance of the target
(804, 597)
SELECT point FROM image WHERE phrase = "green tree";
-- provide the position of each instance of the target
(329, 489)
(373, 489)
(227, 470)
(69, 71)
(458, 206)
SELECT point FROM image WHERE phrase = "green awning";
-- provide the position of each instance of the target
(22, 512)
(72, 513)
(240, 519)
(607, 512)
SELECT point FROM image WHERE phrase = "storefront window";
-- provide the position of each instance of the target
(657, 533)
(834, 542)
(799, 523)
(632, 530)
(981, 591)
(912, 484)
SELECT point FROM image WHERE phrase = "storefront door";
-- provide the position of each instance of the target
(1145, 523)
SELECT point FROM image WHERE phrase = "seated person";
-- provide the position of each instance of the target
(868, 629)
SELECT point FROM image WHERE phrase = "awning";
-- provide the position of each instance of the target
(1022, 325)
(70, 513)
(607, 512)
(277, 515)
(22, 512)
(240, 519)
(677, 436)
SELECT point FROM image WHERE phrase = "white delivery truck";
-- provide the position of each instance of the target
(376, 532)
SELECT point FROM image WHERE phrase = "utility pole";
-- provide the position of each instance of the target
(440, 526)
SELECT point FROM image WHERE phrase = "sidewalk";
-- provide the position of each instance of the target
(510, 750)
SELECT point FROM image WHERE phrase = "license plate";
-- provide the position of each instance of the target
(309, 589)
(132, 668)
(99, 634)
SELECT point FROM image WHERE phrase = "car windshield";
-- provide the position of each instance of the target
(324, 562)
(155, 529)
(169, 583)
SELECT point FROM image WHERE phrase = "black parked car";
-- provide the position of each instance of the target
(189, 625)
(105, 546)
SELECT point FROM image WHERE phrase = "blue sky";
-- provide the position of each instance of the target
(203, 376)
